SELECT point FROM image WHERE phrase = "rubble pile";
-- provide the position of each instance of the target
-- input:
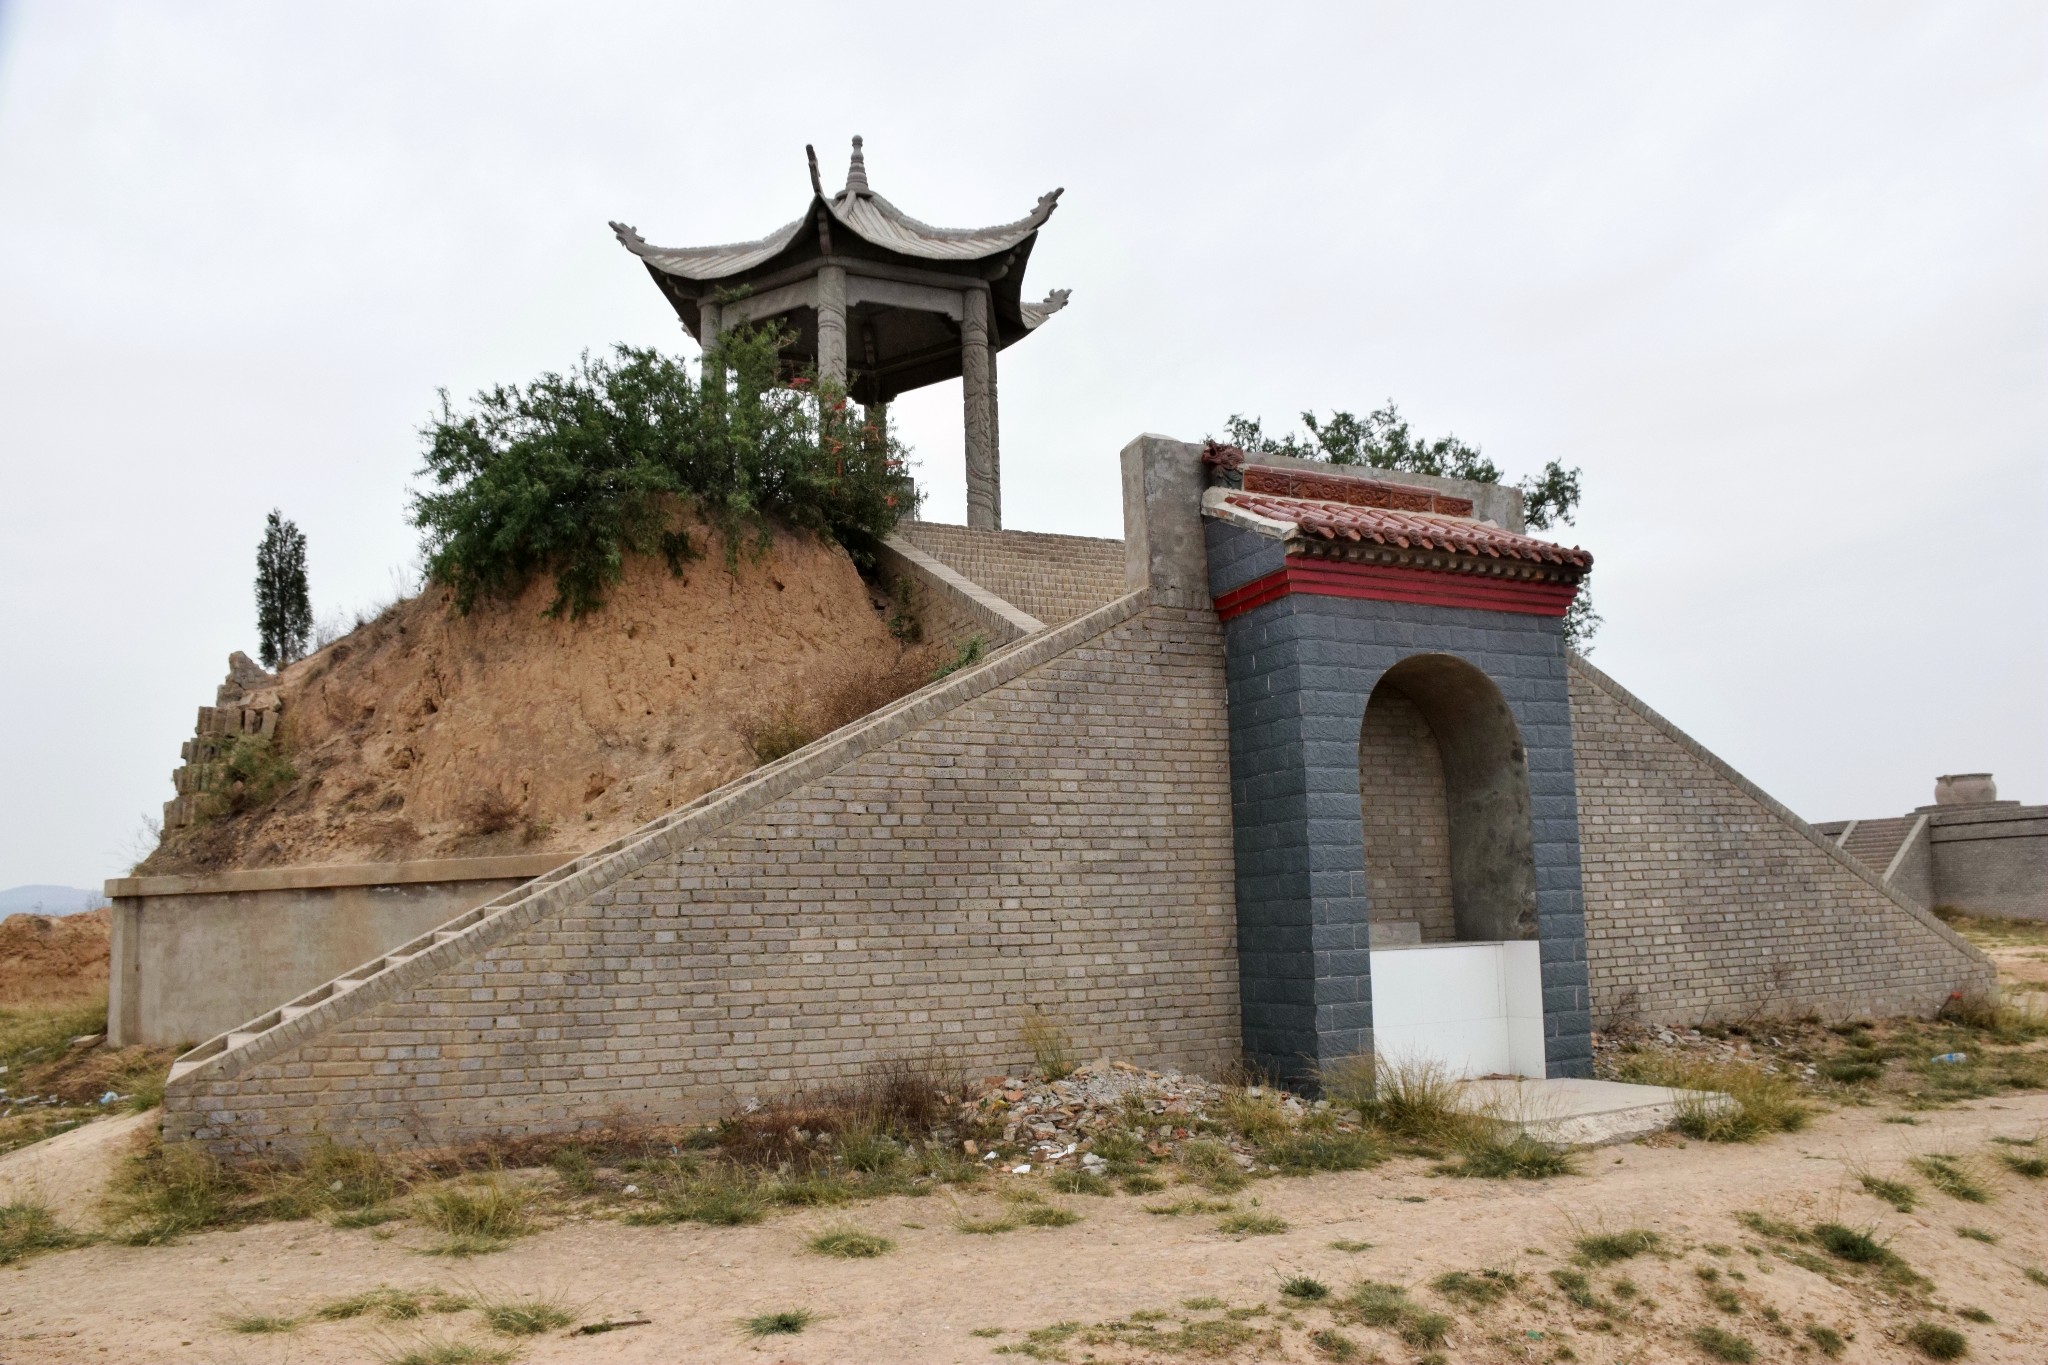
(1047, 1122)
(1765, 1050)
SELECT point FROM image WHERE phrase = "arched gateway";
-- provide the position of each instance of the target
(1401, 768)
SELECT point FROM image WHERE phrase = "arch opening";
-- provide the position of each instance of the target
(1444, 796)
(1450, 862)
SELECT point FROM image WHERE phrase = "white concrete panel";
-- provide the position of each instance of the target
(1475, 1009)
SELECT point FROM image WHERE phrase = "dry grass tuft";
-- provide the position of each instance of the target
(1051, 1049)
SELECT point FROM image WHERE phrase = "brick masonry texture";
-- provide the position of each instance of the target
(1055, 578)
(1407, 826)
(1300, 671)
(1706, 900)
(1061, 840)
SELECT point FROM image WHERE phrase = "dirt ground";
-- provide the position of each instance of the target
(926, 1300)
(425, 733)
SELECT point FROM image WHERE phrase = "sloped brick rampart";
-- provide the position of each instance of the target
(1060, 837)
(1706, 899)
(1054, 578)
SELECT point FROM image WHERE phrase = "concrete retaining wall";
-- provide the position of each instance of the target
(193, 956)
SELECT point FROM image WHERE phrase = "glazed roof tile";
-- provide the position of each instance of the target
(1333, 521)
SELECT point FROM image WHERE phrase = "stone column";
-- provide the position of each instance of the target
(978, 389)
(832, 325)
(708, 327)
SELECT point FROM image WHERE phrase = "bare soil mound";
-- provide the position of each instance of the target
(427, 733)
(47, 959)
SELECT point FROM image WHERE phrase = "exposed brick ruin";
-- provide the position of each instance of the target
(246, 704)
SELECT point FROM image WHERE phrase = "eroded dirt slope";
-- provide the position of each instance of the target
(426, 733)
(54, 958)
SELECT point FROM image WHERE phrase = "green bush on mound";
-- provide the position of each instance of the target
(573, 472)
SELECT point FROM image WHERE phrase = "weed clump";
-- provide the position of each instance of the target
(1830, 1342)
(1937, 1342)
(1897, 1193)
(1608, 1248)
(1303, 1289)
(1251, 1224)
(1722, 1344)
(788, 1322)
(1388, 1306)
(1052, 1051)
(259, 1324)
(474, 1219)
(1949, 1175)
(1759, 1103)
(28, 1229)
(524, 1317)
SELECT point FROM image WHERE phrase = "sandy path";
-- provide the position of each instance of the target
(920, 1303)
(68, 1173)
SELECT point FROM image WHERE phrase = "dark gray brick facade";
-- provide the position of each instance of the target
(1300, 671)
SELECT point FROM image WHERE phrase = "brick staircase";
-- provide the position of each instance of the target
(1054, 578)
(1874, 843)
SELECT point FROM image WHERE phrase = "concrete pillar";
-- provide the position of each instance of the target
(709, 318)
(978, 390)
(832, 325)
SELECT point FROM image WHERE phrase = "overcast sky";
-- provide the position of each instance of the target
(1775, 277)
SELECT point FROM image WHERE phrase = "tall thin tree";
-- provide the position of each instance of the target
(284, 609)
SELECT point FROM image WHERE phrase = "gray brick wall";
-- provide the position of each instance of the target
(1060, 840)
(1055, 578)
(1705, 899)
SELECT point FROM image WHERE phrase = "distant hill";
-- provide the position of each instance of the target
(48, 900)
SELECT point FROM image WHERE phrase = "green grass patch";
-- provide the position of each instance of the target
(1989, 1239)
(849, 1244)
(1763, 1103)
(2032, 1167)
(1520, 1157)
(1347, 1244)
(1250, 1223)
(1331, 1344)
(1482, 1289)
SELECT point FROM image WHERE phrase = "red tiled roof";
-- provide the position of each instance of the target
(1408, 530)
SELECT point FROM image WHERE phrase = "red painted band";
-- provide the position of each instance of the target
(1385, 583)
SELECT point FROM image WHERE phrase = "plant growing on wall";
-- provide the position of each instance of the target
(1382, 439)
(284, 610)
(571, 473)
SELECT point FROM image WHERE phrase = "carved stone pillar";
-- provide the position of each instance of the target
(832, 325)
(708, 320)
(978, 389)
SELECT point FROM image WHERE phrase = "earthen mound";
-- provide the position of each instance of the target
(428, 734)
(46, 959)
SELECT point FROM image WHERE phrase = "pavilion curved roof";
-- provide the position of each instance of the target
(862, 212)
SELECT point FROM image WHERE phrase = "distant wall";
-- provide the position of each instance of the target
(1991, 860)
(1706, 899)
(947, 608)
(1054, 578)
(193, 956)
